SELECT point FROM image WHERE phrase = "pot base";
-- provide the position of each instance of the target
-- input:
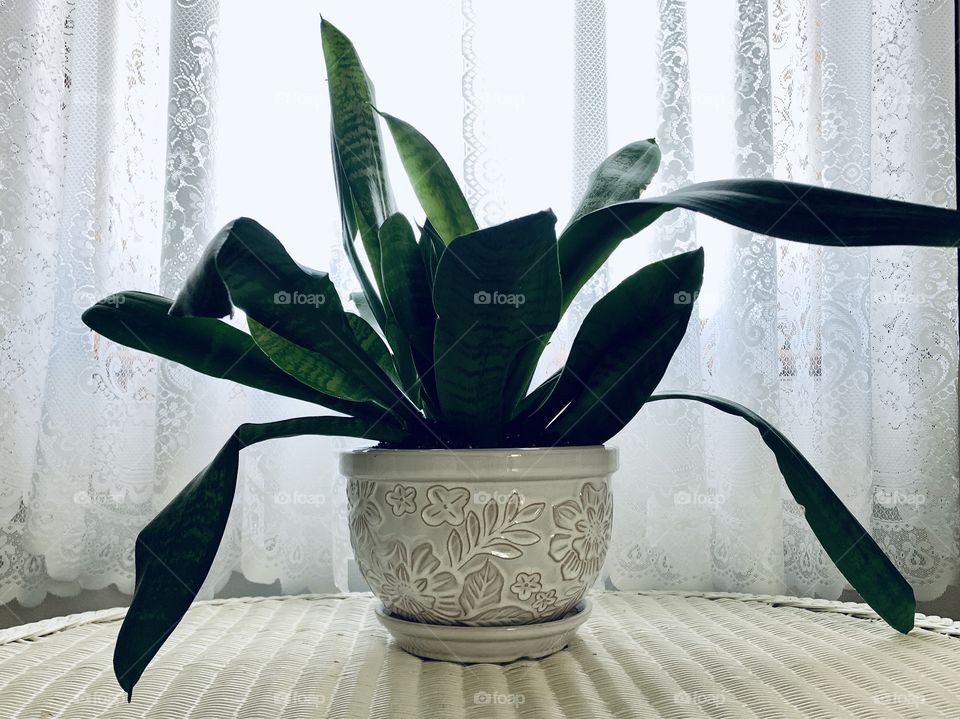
(484, 645)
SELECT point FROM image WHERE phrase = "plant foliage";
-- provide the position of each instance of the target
(461, 315)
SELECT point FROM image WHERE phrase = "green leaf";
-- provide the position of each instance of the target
(312, 368)
(371, 343)
(621, 176)
(348, 223)
(247, 267)
(495, 290)
(433, 182)
(356, 133)
(535, 399)
(788, 210)
(846, 542)
(175, 550)
(142, 321)
(622, 351)
(407, 291)
(431, 250)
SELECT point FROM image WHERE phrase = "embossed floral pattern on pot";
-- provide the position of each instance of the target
(402, 500)
(581, 546)
(445, 505)
(511, 549)
(364, 513)
(414, 585)
(525, 585)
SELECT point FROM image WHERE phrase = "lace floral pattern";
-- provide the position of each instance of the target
(111, 132)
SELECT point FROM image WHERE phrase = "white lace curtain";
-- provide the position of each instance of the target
(130, 131)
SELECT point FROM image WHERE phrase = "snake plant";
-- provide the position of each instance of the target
(459, 318)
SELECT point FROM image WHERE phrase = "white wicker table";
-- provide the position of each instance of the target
(640, 655)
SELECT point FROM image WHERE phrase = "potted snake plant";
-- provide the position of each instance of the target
(486, 501)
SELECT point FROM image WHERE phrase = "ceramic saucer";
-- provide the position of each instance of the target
(490, 645)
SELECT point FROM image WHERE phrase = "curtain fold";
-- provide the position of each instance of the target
(130, 132)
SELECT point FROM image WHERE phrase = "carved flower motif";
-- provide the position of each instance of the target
(582, 545)
(544, 600)
(364, 513)
(445, 505)
(525, 585)
(412, 586)
(402, 500)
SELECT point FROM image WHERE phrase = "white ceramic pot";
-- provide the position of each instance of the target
(483, 537)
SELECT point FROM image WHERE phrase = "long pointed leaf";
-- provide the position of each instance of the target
(495, 290)
(312, 368)
(407, 290)
(348, 223)
(371, 343)
(142, 321)
(247, 267)
(431, 250)
(175, 550)
(433, 182)
(846, 542)
(357, 138)
(788, 210)
(622, 351)
(620, 177)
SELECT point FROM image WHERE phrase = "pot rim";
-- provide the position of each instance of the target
(509, 464)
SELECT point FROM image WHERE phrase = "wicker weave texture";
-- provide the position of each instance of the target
(640, 655)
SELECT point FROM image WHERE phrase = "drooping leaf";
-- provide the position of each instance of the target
(141, 321)
(357, 138)
(433, 182)
(175, 550)
(407, 290)
(494, 290)
(621, 352)
(247, 267)
(846, 542)
(621, 176)
(313, 368)
(788, 210)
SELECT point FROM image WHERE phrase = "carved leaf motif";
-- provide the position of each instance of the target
(454, 548)
(481, 589)
(513, 506)
(528, 514)
(473, 531)
(490, 512)
(504, 550)
(523, 537)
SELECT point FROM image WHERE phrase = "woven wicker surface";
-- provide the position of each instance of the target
(639, 655)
